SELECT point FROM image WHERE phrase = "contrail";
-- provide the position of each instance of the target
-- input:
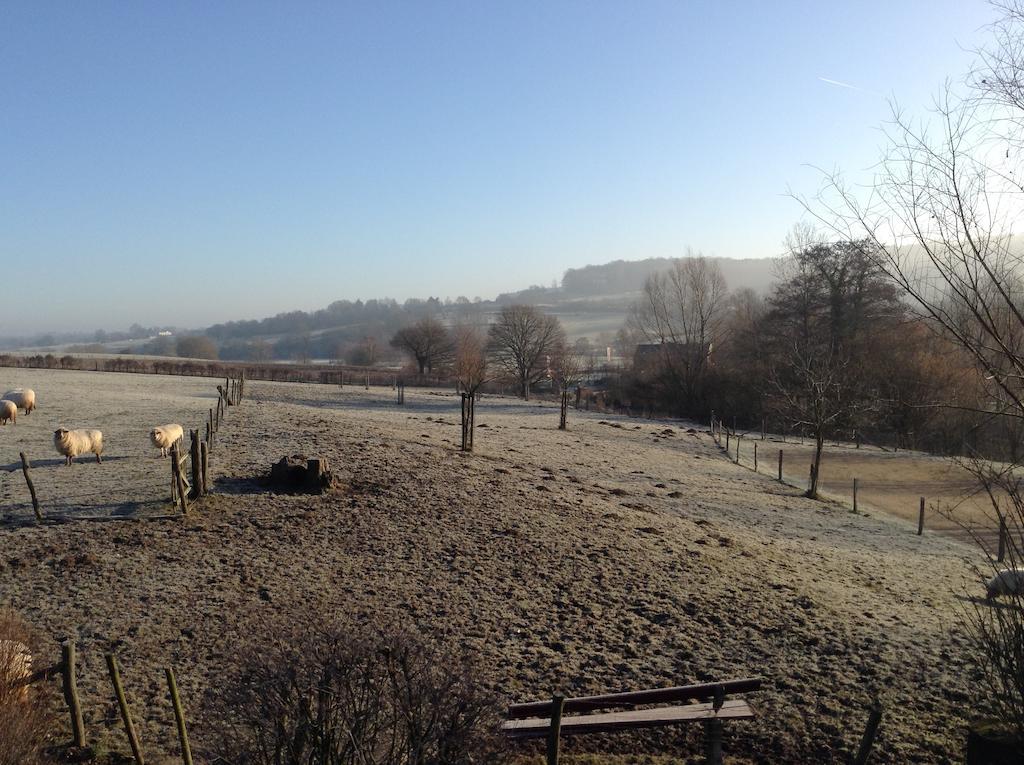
(839, 84)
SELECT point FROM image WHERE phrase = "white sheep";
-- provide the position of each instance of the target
(1009, 581)
(23, 398)
(15, 665)
(165, 436)
(8, 411)
(71, 443)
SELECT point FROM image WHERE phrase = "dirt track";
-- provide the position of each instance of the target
(616, 555)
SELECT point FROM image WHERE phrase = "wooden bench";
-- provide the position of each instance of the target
(567, 717)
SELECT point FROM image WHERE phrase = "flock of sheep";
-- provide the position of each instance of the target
(73, 443)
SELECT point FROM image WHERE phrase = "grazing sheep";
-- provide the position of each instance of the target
(8, 411)
(1009, 581)
(15, 665)
(71, 443)
(165, 436)
(23, 398)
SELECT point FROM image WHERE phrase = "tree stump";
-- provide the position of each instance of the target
(299, 475)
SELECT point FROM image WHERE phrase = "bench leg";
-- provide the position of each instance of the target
(557, 702)
(713, 741)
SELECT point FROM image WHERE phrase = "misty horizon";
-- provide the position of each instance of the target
(162, 168)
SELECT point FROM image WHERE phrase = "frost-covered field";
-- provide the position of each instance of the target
(618, 554)
(132, 478)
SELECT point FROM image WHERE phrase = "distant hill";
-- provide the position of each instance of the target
(622, 278)
(592, 301)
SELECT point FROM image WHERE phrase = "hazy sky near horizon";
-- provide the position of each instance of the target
(188, 163)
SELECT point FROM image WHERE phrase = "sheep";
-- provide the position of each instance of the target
(165, 436)
(1009, 581)
(71, 443)
(8, 411)
(15, 665)
(23, 398)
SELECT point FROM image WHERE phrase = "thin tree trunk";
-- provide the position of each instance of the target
(819, 442)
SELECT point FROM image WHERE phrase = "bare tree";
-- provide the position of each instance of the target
(523, 339)
(568, 366)
(818, 340)
(471, 374)
(683, 312)
(939, 214)
(427, 341)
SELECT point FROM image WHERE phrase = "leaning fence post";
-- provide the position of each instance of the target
(869, 733)
(179, 716)
(920, 518)
(31, 486)
(70, 687)
(122, 702)
(557, 703)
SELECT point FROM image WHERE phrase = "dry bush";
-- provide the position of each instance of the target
(995, 629)
(357, 697)
(26, 717)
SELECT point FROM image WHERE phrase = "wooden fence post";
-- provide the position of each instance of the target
(204, 459)
(920, 518)
(738, 439)
(122, 702)
(31, 486)
(70, 688)
(727, 442)
(780, 465)
(211, 428)
(179, 717)
(755, 456)
(197, 465)
(557, 703)
(854, 495)
(178, 480)
(1002, 538)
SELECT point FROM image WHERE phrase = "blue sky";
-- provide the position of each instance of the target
(186, 163)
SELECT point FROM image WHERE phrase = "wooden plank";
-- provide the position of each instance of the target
(637, 698)
(604, 722)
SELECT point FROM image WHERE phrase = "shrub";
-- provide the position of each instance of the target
(25, 714)
(357, 697)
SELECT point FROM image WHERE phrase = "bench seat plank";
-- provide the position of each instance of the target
(634, 718)
(701, 691)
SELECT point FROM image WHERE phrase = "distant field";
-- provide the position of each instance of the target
(890, 482)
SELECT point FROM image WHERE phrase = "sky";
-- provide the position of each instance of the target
(188, 163)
